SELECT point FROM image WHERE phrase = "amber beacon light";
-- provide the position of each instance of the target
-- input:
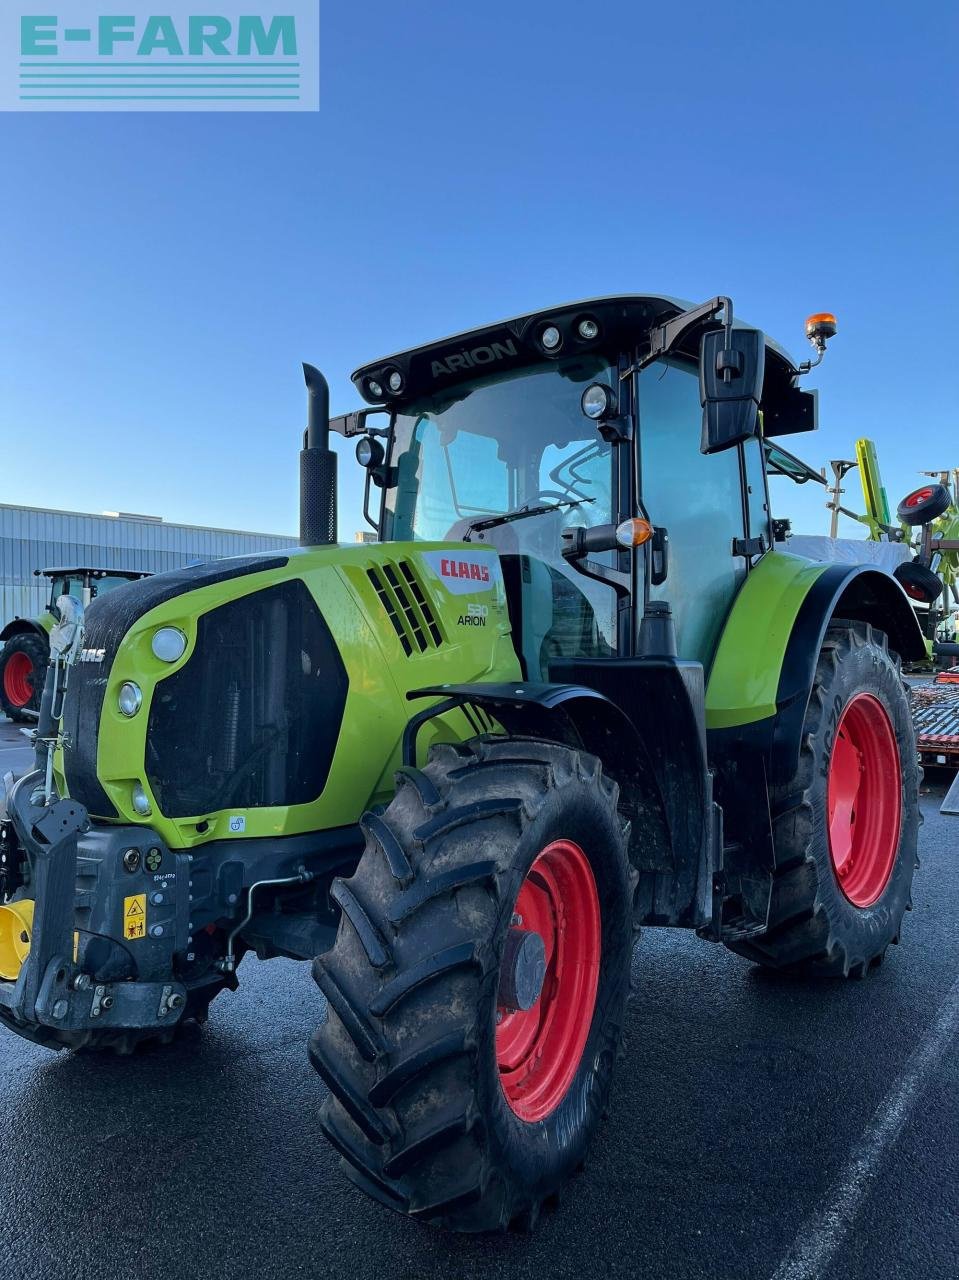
(820, 327)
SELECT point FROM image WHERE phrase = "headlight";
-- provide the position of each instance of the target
(395, 382)
(597, 402)
(141, 801)
(130, 699)
(374, 388)
(168, 644)
(551, 338)
(369, 451)
(588, 329)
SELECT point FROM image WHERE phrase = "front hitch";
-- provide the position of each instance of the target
(50, 990)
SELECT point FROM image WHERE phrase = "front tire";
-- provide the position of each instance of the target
(846, 827)
(450, 1099)
(23, 669)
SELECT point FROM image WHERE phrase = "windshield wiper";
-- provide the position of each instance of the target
(477, 526)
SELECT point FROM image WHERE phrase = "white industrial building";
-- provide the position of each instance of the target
(40, 538)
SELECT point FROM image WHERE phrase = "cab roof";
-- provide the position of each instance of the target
(623, 322)
(74, 570)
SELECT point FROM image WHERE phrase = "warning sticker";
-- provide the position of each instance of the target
(135, 916)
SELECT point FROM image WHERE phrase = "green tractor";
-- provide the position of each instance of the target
(25, 642)
(572, 691)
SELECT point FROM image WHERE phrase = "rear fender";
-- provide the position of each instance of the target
(759, 686)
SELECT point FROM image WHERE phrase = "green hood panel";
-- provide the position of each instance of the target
(402, 616)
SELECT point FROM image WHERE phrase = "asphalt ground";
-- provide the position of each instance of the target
(760, 1128)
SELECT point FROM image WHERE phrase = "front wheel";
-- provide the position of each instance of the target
(478, 982)
(23, 668)
(846, 827)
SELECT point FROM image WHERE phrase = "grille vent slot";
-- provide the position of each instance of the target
(406, 606)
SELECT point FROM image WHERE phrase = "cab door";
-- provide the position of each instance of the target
(698, 498)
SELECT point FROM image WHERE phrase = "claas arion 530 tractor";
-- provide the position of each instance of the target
(571, 691)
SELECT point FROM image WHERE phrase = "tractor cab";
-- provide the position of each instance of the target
(546, 436)
(84, 584)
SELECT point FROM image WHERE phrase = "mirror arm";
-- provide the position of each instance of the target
(366, 501)
(620, 582)
(663, 338)
(580, 541)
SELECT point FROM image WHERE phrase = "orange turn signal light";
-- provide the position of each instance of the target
(821, 325)
(633, 533)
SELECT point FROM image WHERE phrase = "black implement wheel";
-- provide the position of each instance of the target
(924, 504)
(846, 827)
(478, 983)
(23, 668)
(918, 582)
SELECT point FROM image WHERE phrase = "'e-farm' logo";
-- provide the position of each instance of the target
(88, 58)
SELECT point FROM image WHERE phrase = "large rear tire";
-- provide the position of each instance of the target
(846, 827)
(23, 669)
(457, 1095)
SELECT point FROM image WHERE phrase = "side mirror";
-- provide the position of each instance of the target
(731, 367)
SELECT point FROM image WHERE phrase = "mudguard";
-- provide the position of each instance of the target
(643, 719)
(578, 716)
(759, 686)
(21, 627)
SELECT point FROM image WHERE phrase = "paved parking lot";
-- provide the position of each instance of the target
(760, 1128)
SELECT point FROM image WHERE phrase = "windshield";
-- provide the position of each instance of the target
(504, 444)
(73, 586)
(102, 585)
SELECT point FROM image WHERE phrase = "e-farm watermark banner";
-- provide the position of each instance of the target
(159, 55)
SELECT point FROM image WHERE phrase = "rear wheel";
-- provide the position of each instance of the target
(846, 826)
(23, 668)
(477, 985)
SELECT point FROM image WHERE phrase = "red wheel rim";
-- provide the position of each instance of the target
(538, 1050)
(17, 684)
(864, 799)
(920, 495)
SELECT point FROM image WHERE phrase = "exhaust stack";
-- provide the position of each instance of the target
(317, 467)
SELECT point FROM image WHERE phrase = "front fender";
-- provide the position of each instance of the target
(577, 716)
(22, 627)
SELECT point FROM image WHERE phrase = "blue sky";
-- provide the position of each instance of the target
(164, 275)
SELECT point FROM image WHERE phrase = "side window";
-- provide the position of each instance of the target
(757, 504)
(698, 498)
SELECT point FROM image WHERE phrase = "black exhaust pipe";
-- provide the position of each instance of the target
(317, 467)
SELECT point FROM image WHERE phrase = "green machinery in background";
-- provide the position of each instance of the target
(25, 642)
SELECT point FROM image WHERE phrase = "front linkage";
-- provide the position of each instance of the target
(54, 1001)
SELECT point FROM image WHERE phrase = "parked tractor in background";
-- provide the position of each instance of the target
(571, 691)
(26, 641)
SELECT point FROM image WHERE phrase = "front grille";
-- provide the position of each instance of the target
(251, 720)
(406, 606)
(108, 620)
